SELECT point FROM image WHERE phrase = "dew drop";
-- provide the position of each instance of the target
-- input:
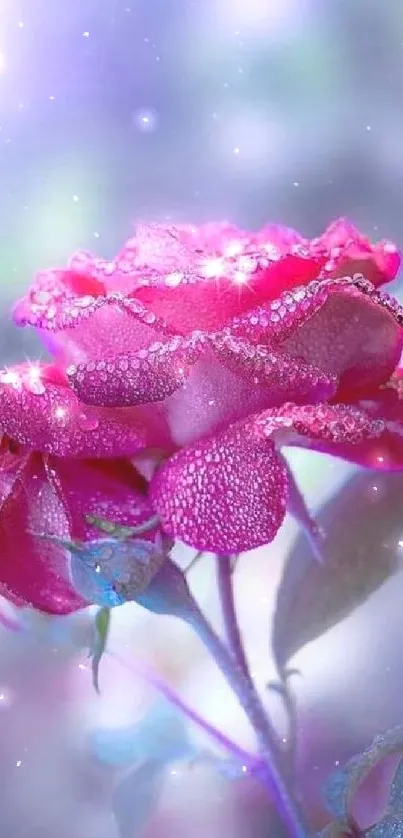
(88, 422)
(35, 386)
(174, 279)
(42, 297)
(85, 301)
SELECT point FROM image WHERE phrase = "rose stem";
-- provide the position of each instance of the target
(144, 672)
(227, 599)
(287, 807)
(234, 637)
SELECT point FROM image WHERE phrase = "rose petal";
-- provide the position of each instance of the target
(107, 489)
(368, 433)
(344, 326)
(110, 490)
(225, 494)
(271, 323)
(212, 397)
(33, 571)
(235, 381)
(146, 376)
(51, 498)
(386, 404)
(162, 248)
(286, 377)
(318, 426)
(356, 334)
(83, 328)
(228, 493)
(351, 252)
(282, 238)
(225, 288)
(45, 415)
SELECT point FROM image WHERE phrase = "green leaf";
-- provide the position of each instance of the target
(109, 527)
(360, 552)
(120, 531)
(101, 626)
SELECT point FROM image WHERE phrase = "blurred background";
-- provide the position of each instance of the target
(193, 110)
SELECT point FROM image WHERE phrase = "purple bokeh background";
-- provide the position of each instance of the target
(250, 110)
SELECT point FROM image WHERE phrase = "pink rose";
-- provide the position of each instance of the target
(214, 347)
(56, 468)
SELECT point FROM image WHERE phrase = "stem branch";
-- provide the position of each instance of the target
(226, 590)
(243, 688)
(141, 670)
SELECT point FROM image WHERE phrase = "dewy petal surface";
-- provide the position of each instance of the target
(318, 426)
(225, 494)
(355, 334)
(224, 290)
(33, 571)
(228, 492)
(344, 327)
(351, 252)
(41, 412)
(51, 497)
(287, 377)
(235, 379)
(385, 404)
(153, 375)
(82, 327)
(141, 377)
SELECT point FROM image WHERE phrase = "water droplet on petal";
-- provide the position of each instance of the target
(88, 422)
(86, 301)
(42, 297)
(174, 279)
(35, 386)
(10, 377)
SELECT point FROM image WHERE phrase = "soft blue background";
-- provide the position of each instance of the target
(250, 110)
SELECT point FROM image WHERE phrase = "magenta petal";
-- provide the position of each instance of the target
(33, 571)
(223, 289)
(51, 497)
(108, 489)
(345, 327)
(286, 378)
(272, 322)
(213, 397)
(79, 328)
(350, 252)
(234, 380)
(332, 428)
(386, 405)
(356, 334)
(47, 416)
(224, 494)
(146, 376)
